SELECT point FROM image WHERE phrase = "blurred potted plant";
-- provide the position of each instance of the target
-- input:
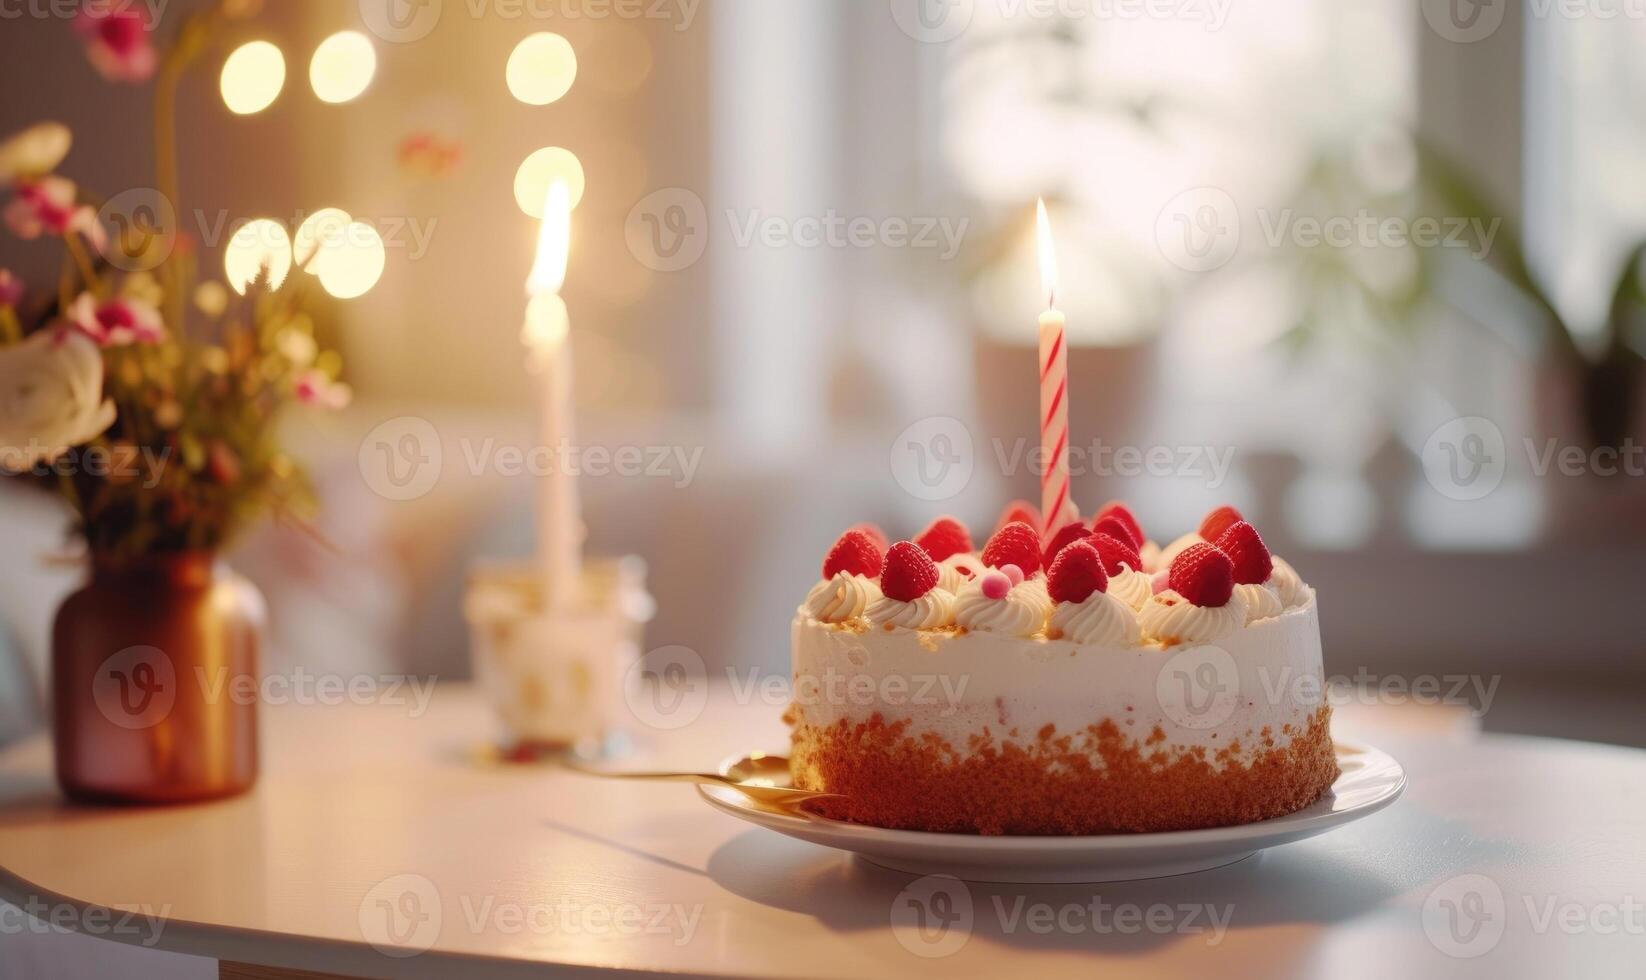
(149, 404)
(1603, 379)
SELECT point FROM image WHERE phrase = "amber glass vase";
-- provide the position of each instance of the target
(155, 683)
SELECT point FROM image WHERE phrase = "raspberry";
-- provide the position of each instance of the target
(1015, 544)
(1076, 574)
(1020, 510)
(1203, 575)
(1062, 539)
(1127, 519)
(853, 554)
(1115, 553)
(874, 532)
(1215, 523)
(1116, 528)
(908, 573)
(944, 537)
(1248, 553)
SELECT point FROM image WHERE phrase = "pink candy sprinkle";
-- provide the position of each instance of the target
(1013, 572)
(1161, 580)
(995, 585)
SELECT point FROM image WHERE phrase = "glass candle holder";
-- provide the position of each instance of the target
(555, 676)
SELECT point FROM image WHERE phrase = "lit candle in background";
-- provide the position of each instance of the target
(546, 335)
(1055, 506)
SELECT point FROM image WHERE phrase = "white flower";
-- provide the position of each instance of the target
(33, 152)
(51, 397)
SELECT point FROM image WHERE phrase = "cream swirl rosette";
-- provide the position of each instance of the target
(1170, 618)
(930, 611)
(955, 572)
(1022, 611)
(1131, 587)
(1261, 601)
(1100, 619)
(843, 597)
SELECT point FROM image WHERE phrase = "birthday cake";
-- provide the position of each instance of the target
(1083, 682)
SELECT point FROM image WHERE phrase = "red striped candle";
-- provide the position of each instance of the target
(1056, 507)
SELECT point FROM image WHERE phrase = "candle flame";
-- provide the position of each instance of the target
(1048, 255)
(554, 240)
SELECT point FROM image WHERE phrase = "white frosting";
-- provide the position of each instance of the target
(843, 597)
(1286, 583)
(1261, 601)
(1100, 618)
(950, 577)
(1176, 548)
(1131, 587)
(1150, 553)
(954, 686)
(1022, 612)
(1171, 619)
(1035, 589)
(935, 608)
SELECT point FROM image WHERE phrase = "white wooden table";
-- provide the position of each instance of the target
(377, 845)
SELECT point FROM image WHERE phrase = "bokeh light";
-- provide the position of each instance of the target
(320, 232)
(541, 68)
(342, 67)
(211, 298)
(257, 244)
(539, 171)
(252, 77)
(352, 267)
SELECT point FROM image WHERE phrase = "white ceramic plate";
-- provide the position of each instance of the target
(1370, 781)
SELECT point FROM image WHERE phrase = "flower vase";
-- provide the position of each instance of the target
(155, 683)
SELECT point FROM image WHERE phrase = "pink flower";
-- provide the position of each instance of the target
(117, 42)
(317, 388)
(116, 322)
(46, 206)
(11, 288)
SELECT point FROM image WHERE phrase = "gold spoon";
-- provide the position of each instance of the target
(756, 776)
